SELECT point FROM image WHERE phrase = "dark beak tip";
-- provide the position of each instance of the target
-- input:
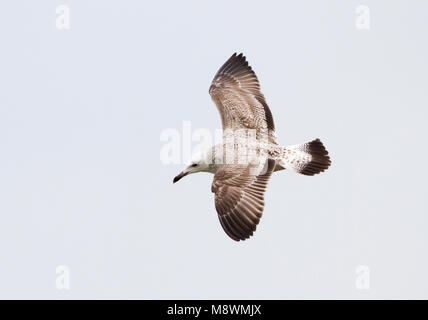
(181, 175)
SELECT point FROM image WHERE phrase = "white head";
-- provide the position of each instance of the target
(201, 162)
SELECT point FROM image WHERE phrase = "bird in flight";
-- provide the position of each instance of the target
(248, 155)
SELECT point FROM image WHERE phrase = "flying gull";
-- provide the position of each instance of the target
(243, 163)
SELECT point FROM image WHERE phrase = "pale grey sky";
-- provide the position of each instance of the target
(82, 184)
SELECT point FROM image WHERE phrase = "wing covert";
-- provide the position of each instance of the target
(239, 197)
(235, 90)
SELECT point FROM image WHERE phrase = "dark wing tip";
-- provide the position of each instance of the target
(237, 62)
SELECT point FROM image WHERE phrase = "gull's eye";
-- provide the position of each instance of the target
(194, 165)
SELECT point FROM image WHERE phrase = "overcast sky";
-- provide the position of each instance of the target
(82, 183)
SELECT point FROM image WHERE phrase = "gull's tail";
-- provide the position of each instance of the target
(309, 158)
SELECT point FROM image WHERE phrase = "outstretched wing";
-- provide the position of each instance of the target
(236, 92)
(239, 196)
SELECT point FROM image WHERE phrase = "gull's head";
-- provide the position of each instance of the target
(199, 163)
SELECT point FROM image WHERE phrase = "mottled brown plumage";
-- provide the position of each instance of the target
(235, 90)
(239, 196)
(239, 186)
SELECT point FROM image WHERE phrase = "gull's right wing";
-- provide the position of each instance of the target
(239, 196)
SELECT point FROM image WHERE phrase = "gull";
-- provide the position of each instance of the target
(248, 155)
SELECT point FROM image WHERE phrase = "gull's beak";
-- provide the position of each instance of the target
(180, 175)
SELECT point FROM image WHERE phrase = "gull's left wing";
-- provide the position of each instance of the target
(235, 90)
